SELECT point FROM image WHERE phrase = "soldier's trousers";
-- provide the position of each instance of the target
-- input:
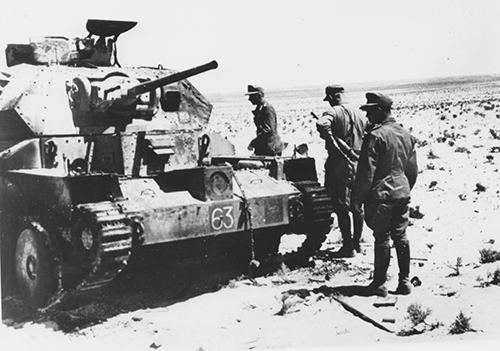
(338, 176)
(350, 241)
(389, 220)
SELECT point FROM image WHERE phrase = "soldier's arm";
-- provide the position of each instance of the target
(411, 169)
(268, 121)
(367, 165)
(324, 127)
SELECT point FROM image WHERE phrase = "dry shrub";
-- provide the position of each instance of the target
(431, 155)
(462, 149)
(491, 279)
(456, 267)
(495, 277)
(461, 325)
(488, 255)
(417, 313)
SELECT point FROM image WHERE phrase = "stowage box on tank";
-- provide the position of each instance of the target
(99, 161)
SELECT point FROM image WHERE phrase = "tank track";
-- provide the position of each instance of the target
(318, 209)
(113, 236)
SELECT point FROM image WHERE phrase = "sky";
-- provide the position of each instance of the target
(282, 44)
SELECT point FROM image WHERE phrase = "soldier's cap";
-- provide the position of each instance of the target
(377, 100)
(254, 90)
(331, 90)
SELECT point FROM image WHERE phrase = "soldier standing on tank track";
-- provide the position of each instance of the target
(267, 142)
(347, 124)
(387, 172)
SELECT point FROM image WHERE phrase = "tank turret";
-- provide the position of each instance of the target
(98, 48)
(119, 95)
(49, 93)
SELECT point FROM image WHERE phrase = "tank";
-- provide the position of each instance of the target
(100, 163)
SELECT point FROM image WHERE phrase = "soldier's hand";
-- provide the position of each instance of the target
(250, 147)
(356, 206)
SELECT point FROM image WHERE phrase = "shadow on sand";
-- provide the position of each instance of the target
(157, 279)
(345, 290)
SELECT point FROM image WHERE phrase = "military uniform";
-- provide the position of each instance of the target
(345, 123)
(267, 142)
(386, 173)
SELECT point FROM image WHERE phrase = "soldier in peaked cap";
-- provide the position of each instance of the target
(386, 173)
(267, 142)
(346, 123)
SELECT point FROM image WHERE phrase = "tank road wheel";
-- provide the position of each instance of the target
(35, 267)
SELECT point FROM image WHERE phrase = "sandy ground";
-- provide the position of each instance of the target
(458, 194)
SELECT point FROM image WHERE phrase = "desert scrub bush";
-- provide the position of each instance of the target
(494, 278)
(456, 267)
(488, 255)
(491, 279)
(431, 155)
(461, 324)
(417, 315)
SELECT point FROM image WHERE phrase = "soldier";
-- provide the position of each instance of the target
(347, 124)
(386, 173)
(267, 142)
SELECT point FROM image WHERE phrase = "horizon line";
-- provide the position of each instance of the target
(399, 81)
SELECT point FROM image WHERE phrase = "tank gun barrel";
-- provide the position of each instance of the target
(172, 78)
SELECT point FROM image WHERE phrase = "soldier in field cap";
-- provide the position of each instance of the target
(267, 142)
(387, 171)
(346, 123)
(331, 90)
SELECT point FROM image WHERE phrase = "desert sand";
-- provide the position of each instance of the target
(456, 202)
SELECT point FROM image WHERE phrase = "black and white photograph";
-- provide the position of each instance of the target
(250, 175)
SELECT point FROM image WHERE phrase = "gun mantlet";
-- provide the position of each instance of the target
(119, 94)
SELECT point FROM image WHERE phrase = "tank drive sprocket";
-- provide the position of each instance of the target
(104, 236)
(106, 239)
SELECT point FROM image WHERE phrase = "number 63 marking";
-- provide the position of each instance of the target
(222, 218)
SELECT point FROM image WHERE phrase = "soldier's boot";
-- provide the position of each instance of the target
(357, 219)
(345, 229)
(344, 252)
(404, 287)
(382, 259)
(403, 254)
